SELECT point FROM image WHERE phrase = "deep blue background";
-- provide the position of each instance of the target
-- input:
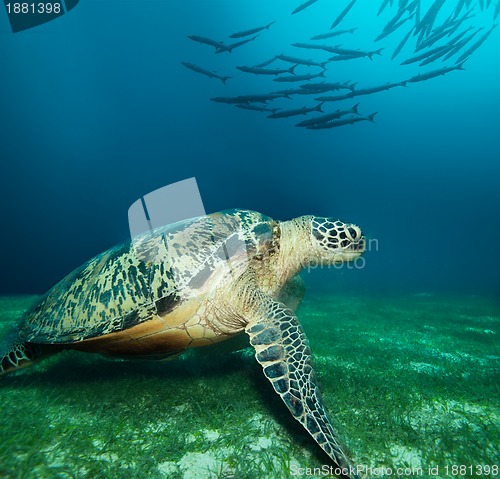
(96, 111)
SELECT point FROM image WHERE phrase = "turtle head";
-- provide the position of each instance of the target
(334, 241)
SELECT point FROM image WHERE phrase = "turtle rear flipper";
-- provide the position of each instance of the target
(282, 349)
(16, 353)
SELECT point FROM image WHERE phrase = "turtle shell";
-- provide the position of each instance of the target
(149, 277)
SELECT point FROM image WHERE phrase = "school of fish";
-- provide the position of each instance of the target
(444, 31)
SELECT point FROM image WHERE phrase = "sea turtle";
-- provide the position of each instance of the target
(194, 283)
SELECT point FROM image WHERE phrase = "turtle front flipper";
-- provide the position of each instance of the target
(282, 349)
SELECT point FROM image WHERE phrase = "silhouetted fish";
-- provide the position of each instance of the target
(337, 123)
(461, 44)
(426, 54)
(437, 55)
(329, 116)
(335, 33)
(301, 61)
(342, 58)
(294, 91)
(412, 7)
(250, 31)
(295, 112)
(438, 33)
(298, 78)
(458, 8)
(394, 20)
(458, 36)
(266, 71)
(475, 46)
(362, 91)
(446, 29)
(208, 41)
(304, 5)
(267, 62)
(231, 46)
(257, 98)
(417, 15)
(429, 18)
(435, 73)
(249, 106)
(382, 6)
(377, 89)
(402, 44)
(311, 46)
(345, 96)
(347, 52)
(392, 29)
(324, 87)
(203, 71)
(343, 13)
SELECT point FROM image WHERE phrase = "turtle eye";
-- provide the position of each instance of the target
(354, 233)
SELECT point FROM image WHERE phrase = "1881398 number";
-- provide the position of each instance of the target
(25, 7)
(470, 470)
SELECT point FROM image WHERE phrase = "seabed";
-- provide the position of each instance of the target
(412, 382)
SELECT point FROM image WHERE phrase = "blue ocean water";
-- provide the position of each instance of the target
(97, 110)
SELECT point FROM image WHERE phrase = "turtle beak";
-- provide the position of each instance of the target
(359, 246)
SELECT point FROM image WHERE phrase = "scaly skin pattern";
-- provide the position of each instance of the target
(194, 283)
(283, 351)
